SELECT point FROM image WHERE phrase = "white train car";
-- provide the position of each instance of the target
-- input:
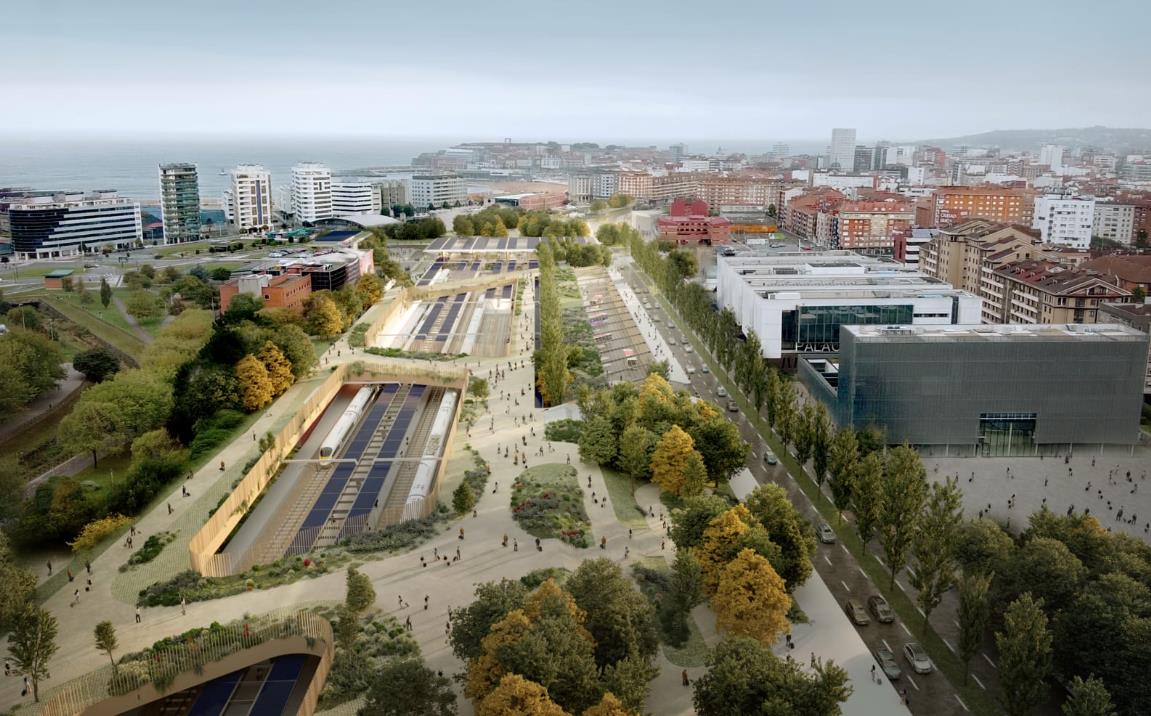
(346, 422)
(426, 472)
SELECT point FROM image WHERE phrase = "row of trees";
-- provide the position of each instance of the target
(615, 201)
(613, 234)
(655, 433)
(29, 361)
(551, 357)
(430, 227)
(494, 220)
(585, 648)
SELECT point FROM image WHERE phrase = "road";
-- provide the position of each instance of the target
(927, 694)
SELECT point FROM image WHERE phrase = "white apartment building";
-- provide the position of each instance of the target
(435, 190)
(1114, 221)
(797, 301)
(841, 155)
(1051, 155)
(1065, 221)
(311, 192)
(354, 196)
(248, 199)
(903, 155)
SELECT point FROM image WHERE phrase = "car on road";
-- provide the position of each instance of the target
(687, 349)
(888, 663)
(826, 534)
(918, 658)
(721, 392)
(880, 609)
(91, 265)
(856, 613)
(732, 407)
(703, 368)
(671, 341)
(769, 457)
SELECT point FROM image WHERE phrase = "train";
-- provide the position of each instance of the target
(426, 472)
(347, 421)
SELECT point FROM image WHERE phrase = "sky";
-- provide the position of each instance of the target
(659, 70)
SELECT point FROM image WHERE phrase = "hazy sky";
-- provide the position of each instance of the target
(626, 69)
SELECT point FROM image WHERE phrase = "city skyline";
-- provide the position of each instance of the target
(463, 74)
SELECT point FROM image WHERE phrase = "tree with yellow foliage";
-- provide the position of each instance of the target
(609, 705)
(94, 532)
(255, 385)
(324, 317)
(722, 539)
(670, 459)
(484, 673)
(516, 696)
(278, 366)
(369, 288)
(751, 599)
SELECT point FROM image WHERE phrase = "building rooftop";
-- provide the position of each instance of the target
(1135, 269)
(1053, 277)
(485, 244)
(1097, 332)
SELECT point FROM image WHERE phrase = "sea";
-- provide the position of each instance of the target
(130, 165)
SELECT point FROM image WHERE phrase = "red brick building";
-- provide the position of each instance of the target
(956, 204)
(288, 291)
(688, 223)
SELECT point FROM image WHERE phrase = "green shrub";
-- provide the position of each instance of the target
(152, 547)
(567, 430)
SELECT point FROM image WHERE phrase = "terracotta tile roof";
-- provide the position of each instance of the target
(1130, 268)
(1054, 278)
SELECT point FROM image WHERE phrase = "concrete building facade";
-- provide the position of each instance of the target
(841, 151)
(436, 190)
(1133, 315)
(796, 302)
(311, 192)
(248, 198)
(1115, 222)
(352, 196)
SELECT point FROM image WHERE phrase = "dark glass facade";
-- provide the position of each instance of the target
(64, 230)
(816, 328)
(1000, 395)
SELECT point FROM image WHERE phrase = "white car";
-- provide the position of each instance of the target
(687, 349)
(721, 392)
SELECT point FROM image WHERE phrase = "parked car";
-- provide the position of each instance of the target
(722, 392)
(888, 663)
(732, 407)
(687, 349)
(826, 534)
(856, 613)
(918, 658)
(880, 609)
(769, 457)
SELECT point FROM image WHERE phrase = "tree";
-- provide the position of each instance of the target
(694, 476)
(105, 292)
(92, 427)
(803, 433)
(686, 581)
(609, 705)
(934, 549)
(636, 445)
(1045, 568)
(143, 305)
(745, 677)
(255, 385)
(324, 316)
(718, 441)
(369, 289)
(842, 462)
(407, 686)
(670, 458)
(106, 640)
(278, 366)
(516, 696)
(904, 493)
(867, 496)
(360, 594)
(296, 347)
(1088, 698)
(785, 527)
(751, 599)
(629, 680)
(690, 521)
(470, 624)
(25, 317)
(17, 585)
(36, 361)
(463, 499)
(96, 364)
(974, 615)
(820, 427)
(154, 444)
(1138, 295)
(32, 643)
(597, 443)
(619, 618)
(598, 205)
(982, 546)
(1024, 655)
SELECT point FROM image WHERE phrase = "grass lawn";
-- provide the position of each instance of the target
(104, 323)
(622, 491)
(548, 503)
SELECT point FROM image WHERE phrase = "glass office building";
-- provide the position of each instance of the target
(987, 389)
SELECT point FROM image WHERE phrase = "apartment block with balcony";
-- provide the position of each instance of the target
(1115, 222)
(1043, 291)
(248, 198)
(1066, 221)
(956, 204)
(960, 255)
(180, 202)
(436, 190)
(352, 196)
(311, 192)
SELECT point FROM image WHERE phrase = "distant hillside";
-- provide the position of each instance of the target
(1107, 138)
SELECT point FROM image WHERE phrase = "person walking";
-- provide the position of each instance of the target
(183, 606)
(686, 680)
(138, 619)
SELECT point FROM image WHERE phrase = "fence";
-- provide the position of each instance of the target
(207, 541)
(197, 658)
